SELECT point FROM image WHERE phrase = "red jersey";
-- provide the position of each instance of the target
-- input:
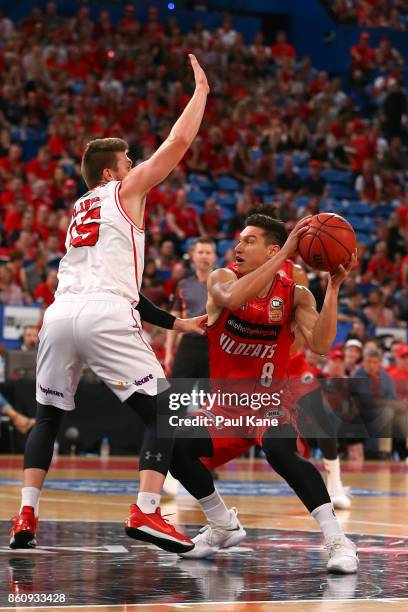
(254, 340)
(287, 268)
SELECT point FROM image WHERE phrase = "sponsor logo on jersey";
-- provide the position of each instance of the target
(48, 391)
(275, 313)
(252, 331)
(144, 380)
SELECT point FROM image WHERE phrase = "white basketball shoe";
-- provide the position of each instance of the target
(212, 538)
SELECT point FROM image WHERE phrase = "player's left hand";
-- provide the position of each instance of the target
(342, 272)
(195, 325)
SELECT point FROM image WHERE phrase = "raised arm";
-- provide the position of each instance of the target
(154, 170)
(319, 330)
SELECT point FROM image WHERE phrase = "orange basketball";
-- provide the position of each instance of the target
(329, 241)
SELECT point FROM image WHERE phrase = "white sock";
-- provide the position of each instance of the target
(30, 496)
(214, 509)
(327, 520)
(148, 502)
(332, 467)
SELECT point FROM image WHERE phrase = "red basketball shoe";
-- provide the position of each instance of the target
(157, 530)
(22, 534)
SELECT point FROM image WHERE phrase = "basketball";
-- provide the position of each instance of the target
(329, 241)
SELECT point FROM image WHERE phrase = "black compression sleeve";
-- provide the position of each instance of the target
(153, 314)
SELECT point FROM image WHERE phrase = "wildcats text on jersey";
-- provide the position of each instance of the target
(258, 349)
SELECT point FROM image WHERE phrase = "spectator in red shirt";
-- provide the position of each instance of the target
(211, 219)
(400, 368)
(41, 167)
(11, 165)
(380, 266)
(44, 292)
(362, 55)
(182, 219)
(281, 49)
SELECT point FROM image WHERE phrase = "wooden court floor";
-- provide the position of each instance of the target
(85, 555)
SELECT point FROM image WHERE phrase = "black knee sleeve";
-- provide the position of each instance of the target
(158, 440)
(40, 442)
(301, 475)
(186, 466)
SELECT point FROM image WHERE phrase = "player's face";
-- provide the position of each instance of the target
(203, 257)
(252, 250)
(123, 166)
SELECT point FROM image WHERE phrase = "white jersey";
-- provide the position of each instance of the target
(105, 249)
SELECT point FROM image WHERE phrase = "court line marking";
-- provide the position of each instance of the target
(215, 603)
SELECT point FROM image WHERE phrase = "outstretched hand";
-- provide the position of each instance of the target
(343, 271)
(195, 325)
(199, 74)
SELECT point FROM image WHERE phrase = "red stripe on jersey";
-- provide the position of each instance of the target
(135, 259)
(122, 210)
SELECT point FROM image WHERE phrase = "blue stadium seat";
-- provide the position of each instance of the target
(301, 201)
(225, 199)
(303, 173)
(343, 330)
(223, 246)
(300, 160)
(201, 181)
(364, 238)
(365, 225)
(263, 188)
(186, 244)
(360, 209)
(227, 213)
(195, 196)
(341, 177)
(341, 192)
(228, 183)
(383, 210)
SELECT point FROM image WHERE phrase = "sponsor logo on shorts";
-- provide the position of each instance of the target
(49, 391)
(144, 380)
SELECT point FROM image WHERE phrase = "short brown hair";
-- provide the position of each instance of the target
(98, 155)
(204, 240)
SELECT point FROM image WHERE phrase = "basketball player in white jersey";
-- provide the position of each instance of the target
(93, 322)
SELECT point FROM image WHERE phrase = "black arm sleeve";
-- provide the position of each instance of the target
(153, 314)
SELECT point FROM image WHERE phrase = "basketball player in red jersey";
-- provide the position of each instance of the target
(93, 322)
(312, 403)
(252, 315)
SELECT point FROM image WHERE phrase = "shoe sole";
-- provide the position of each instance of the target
(162, 543)
(23, 539)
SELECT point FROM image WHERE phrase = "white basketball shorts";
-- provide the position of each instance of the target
(104, 334)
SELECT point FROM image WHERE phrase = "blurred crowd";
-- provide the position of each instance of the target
(372, 13)
(276, 128)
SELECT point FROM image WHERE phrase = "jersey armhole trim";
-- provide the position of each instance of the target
(123, 212)
(292, 310)
(217, 320)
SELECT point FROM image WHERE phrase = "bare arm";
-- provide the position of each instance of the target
(319, 330)
(154, 170)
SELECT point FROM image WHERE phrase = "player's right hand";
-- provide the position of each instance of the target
(291, 245)
(199, 74)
